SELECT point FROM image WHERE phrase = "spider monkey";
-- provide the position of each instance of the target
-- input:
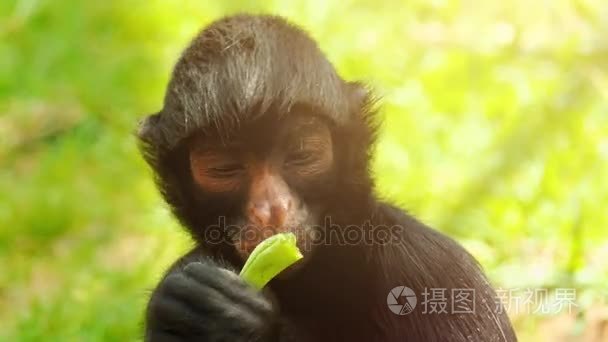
(259, 135)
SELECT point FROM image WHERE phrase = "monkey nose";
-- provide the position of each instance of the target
(266, 214)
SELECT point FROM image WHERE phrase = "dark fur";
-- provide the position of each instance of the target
(244, 67)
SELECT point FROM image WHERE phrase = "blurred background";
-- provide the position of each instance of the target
(495, 132)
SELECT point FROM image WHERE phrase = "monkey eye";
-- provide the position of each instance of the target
(300, 157)
(225, 171)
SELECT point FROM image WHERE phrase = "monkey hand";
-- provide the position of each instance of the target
(203, 301)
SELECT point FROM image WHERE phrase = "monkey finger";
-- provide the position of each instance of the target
(230, 285)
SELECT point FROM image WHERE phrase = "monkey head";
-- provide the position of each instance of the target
(259, 135)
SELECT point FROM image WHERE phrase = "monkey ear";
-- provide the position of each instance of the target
(357, 91)
(365, 121)
(363, 100)
(360, 96)
(148, 139)
(147, 129)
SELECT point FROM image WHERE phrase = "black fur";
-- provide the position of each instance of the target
(240, 69)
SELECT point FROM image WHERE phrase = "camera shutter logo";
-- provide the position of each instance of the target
(408, 300)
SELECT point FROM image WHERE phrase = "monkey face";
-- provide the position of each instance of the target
(269, 171)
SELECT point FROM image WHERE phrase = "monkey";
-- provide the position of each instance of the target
(259, 135)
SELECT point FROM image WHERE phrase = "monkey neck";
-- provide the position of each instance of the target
(336, 274)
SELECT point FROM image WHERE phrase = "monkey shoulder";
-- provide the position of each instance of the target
(431, 263)
(415, 248)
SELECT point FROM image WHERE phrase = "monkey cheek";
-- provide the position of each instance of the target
(307, 238)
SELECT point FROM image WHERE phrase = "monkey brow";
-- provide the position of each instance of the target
(224, 146)
(303, 118)
(208, 144)
(310, 126)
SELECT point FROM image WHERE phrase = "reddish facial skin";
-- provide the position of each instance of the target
(265, 177)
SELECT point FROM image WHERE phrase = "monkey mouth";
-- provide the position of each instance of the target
(245, 248)
(248, 239)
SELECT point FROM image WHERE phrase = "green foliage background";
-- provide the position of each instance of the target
(495, 132)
